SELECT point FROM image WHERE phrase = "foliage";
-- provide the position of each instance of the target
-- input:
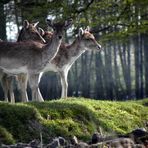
(79, 117)
(107, 17)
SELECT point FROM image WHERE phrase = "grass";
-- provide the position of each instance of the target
(74, 116)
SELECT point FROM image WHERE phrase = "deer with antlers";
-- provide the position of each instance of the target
(31, 57)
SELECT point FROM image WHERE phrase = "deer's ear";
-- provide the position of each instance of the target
(25, 24)
(68, 23)
(49, 22)
(81, 32)
(41, 31)
(87, 28)
(35, 24)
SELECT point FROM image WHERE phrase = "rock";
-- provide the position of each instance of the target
(34, 143)
(96, 137)
(62, 141)
(70, 146)
(22, 145)
(82, 145)
(121, 143)
(55, 143)
(4, 146)
(18, 145)
(74, 140)
(139, 135)
(138, 138)
(13, 146)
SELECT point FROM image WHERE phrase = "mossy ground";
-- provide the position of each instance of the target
(74, 116)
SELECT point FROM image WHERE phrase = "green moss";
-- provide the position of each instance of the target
(144, 102)
(63, 127)
(74, 116)
(5, 136)
(121, 117)
(19, 120)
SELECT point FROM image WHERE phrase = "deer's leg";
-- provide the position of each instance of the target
(33, 81)
(22, 81)
(64, 84)
(11, 88)
(5, 94)
(4, 83)
(7, 84)
(5, 89)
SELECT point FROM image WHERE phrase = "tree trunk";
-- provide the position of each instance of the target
(77, 82)
(124, 53)
(109, 86)
(118, 86)
(138, 67)
(99, 88)
(2, 23)
(85, 76)
(145, 38)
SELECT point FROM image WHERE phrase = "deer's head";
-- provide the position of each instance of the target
(87, 40)
(59, 27)
(29, 32)
(46, 35)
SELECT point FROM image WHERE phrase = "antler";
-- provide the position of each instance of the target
(35, 24)
(87, 28)
(41, 31)
(81, 32)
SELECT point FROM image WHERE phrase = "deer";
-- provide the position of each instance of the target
(31, 57)
(29, 32)
(68, 54)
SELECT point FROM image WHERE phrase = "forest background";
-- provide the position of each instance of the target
(118, 72)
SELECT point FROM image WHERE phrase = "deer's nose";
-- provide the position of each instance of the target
(60, 37)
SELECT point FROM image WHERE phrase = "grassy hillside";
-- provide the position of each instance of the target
(74, 116)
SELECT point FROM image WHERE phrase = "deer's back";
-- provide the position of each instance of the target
(19, 48)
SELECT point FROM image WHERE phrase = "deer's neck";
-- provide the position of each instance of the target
(50, 49)
(69, 54)
(76, 49)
